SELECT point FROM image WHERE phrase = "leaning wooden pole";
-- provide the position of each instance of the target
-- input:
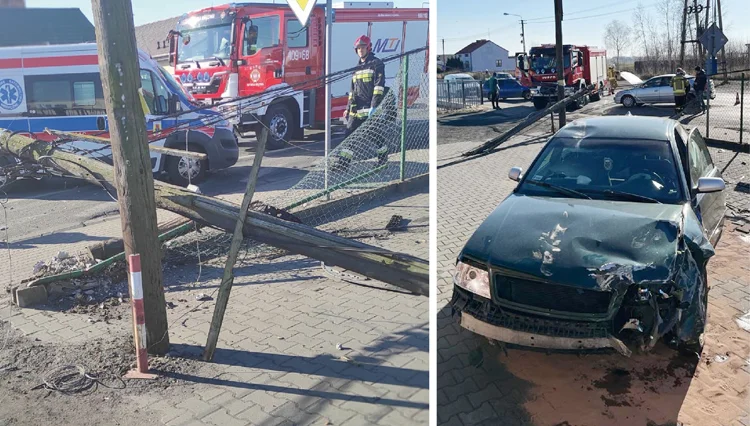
(397, 269)
(228, 280)
(120, 71)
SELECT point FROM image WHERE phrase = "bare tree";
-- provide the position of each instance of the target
(617, 36)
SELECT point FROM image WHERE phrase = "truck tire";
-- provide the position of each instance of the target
(277, 127)
(177, 168)
(540, 103)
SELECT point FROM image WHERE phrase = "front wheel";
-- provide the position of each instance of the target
(628, 101)
(540, 103)
(276, 128)
(527, 95)
(183, 171)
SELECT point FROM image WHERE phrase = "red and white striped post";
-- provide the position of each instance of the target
(139, 320)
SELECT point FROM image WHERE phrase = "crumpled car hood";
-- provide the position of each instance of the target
(579, 242)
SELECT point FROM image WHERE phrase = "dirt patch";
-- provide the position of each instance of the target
(616, 382)
(79, 383)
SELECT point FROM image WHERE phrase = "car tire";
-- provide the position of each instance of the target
(628, 101)
(540, 103)
(277, 127)
(527, 95)
(177, 168)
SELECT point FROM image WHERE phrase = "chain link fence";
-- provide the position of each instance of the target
(331, 195)
(459, 94)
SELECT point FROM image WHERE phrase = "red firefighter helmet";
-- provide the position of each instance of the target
(363, 40)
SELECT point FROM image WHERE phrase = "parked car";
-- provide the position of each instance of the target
(508, 88)
(458, 77)
(504, 76)
(657, 90)
(603, 243)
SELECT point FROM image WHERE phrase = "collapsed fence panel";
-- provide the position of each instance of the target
(459, 94)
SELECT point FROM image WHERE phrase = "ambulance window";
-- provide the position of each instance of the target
(154, 92)
(296, 34)
(84, 93)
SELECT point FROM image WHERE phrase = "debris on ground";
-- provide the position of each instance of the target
(61, 263)
(721, 358)
(744, 322)
(396, 223)
(202, 297)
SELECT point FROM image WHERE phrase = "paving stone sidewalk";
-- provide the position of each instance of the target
(299, 345)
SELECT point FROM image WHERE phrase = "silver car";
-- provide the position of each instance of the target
(656, 90)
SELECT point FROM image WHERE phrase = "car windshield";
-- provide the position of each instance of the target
(546, 60)
(611, 169)
(205, 43)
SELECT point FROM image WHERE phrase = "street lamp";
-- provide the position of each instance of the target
(523, 36)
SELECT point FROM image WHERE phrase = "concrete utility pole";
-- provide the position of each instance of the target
(120, 72)
(559, 57)
(523, 31)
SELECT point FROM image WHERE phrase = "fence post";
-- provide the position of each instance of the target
(447, 84)
(463, 94)
(481, 93)
(708, 108)
(742, 105)
(405, 98)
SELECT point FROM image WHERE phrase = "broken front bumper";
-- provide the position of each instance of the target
(480, 316)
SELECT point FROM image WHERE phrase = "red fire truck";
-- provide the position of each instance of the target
(225, 52)
(583, 67)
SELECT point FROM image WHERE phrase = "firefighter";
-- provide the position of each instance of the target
(366, 93)
(612, 78)
(680, 88)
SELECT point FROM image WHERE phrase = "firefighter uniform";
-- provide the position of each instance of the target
(679, 89)
(366, 93)
(612, 78)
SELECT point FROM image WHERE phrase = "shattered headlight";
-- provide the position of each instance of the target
(472, 279)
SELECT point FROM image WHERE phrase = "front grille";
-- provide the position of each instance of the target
(486, 311)
(548, 90)
(551, 296)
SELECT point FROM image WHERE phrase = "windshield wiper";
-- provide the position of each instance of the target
(626, 195)
(557, 188)
(223, 64)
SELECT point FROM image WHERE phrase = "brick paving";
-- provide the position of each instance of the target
(517, 387)
(277, 361)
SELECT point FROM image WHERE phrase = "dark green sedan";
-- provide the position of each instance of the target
(603, 243)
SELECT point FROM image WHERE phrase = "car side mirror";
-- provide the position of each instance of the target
(710, 184)
(515, 174)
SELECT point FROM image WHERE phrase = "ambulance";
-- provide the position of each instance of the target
(59, 87)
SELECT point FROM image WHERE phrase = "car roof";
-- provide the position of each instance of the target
(631, 127)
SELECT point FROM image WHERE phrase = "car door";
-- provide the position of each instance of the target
(665, 92)
(710, 207)
(649, 92)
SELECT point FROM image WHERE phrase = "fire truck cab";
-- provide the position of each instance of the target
(234, 51)
(584, 68)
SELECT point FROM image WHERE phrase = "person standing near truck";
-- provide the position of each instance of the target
(680, 88)
(612, 78)
(366, 93)
(700, 87)
(492, 87)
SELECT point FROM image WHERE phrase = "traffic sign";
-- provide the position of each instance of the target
(713, 39)
(302, 9)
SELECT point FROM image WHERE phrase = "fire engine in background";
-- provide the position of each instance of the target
(583, 67)
(236, 50)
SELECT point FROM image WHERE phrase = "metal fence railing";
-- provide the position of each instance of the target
(728, 115)
(459, 94)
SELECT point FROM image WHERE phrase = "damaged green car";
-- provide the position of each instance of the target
(603, 243)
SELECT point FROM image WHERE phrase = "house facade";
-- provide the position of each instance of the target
(484, 55)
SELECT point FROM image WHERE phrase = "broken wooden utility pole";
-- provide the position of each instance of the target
(133, 179)
(234, 249)
(398, 269)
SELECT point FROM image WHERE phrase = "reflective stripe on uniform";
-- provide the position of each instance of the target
(378, 90)
(363, 75)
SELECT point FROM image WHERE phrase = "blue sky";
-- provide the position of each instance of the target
(145, 11)
(461, 22)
